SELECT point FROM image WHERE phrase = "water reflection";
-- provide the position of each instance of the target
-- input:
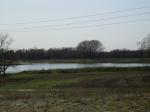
(46, 66)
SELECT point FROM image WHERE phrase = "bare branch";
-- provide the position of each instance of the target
(5, 42)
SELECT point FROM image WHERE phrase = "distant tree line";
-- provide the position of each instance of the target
(92, 49)
(73, 53)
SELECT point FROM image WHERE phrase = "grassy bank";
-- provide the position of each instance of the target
(83, 90)
(75, 78)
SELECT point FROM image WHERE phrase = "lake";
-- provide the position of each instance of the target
(47, 66)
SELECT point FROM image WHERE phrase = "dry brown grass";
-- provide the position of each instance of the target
(76, 92)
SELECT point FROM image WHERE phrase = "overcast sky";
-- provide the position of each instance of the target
(41, 23)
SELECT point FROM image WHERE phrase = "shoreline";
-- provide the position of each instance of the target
(97, 69)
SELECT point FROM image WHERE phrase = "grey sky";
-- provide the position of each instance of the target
(115, 36)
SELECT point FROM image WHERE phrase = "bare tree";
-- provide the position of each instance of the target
(90, 46)
(5, 41)
(145, 43)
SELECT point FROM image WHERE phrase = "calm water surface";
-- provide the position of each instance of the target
(46, 66)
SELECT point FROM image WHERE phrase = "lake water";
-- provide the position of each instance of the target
(47, 66)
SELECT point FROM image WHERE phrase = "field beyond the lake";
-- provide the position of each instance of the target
(83, 90)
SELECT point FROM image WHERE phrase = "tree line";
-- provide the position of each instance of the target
(88, 49)
(73, 53)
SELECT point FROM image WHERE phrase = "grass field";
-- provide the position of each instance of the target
(83, 90)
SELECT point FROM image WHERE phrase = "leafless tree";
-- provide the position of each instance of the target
(5, 42)
(145, 43)
(90, 46)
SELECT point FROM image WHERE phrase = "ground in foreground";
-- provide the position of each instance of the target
(72, 91)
